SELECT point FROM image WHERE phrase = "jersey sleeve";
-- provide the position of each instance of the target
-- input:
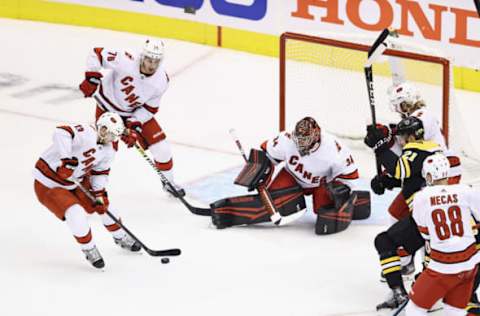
(474, 202)
(343, 167)
(63, 140)
(101, 171)
(275, 148)
(402, 168)
(100, 58)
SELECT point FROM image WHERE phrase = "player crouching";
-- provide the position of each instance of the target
(81, 153)
(315, 163)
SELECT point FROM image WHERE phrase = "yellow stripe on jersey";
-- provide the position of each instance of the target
(392, 269)
(406, 165)
(388, 260)
(424, 145)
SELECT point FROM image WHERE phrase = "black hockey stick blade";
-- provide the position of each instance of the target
(163, 253)
(196, 210)
(477, 5)
(401, 308)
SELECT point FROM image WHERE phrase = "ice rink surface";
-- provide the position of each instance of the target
(260, 270)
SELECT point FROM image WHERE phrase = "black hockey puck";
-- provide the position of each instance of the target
(165, 260)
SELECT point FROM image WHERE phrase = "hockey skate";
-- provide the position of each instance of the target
(178, 192)
(397, 297)
(127, 242)
(94, 257)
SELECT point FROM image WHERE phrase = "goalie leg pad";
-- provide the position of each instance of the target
(257, 171)
(362, 208)
(337, 217)
(249, 209)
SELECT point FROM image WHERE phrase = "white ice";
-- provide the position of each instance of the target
(259, 270)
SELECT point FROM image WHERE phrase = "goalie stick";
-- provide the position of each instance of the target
(377, 49)
(275, 216)
(153, 253)
(163, 178)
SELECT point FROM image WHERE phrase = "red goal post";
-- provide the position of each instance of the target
(304, 55)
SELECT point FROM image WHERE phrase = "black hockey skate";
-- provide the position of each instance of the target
(397, 297)
(93, 256)
(178, 192)
(127, 242)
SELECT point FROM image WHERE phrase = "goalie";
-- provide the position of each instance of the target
(316, 164)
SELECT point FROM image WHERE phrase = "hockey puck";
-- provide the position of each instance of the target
(165, 260)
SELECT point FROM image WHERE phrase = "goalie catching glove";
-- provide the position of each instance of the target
(256, 172)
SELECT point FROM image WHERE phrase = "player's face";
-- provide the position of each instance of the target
(149, 65)
(104, 136)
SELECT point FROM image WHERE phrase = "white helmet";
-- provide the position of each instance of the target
(404, 92)
(435, 167)
(113, 124)
(153, 49)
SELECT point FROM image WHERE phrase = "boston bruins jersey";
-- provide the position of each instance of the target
(409, 165)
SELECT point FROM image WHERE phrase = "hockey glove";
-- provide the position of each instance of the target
(377, 185)
(379, 137)
(65, 170)
(90, 84)
(101, 203)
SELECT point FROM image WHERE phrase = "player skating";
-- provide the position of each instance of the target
(316, 164)
(132, 85)
(82, 153)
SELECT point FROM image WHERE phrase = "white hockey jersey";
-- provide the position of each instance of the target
(78, 141)
(443, 214)
(331, 160)
(123, 89)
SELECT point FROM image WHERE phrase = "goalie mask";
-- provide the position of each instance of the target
(404, 98)
(306, 135)
(109, 127)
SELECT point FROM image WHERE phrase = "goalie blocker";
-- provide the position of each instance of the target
(289, 202)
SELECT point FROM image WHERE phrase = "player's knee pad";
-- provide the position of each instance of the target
(413, 310)
(362, 207)
(449, 310)
(161, 151)
(383, 243)
(256, 172)
(337, 217)
(249, 209)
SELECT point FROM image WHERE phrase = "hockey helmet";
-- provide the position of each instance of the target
(435, 167)
(411, 125)
(403, 98)
(109, 127)
(306, 135)
(153, 49)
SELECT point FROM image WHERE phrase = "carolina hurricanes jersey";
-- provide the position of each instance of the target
(331, 160)
(123, 89)
(443, 214)
(78, 141)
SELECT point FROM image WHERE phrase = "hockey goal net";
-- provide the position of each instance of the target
(324, 77)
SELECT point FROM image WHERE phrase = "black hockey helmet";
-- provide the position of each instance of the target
(411, 125)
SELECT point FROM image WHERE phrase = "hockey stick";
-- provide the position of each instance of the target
(165, 181)
(401, 307)
(477, 5)
(275, 216)
(154, 253)
(377, 49)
